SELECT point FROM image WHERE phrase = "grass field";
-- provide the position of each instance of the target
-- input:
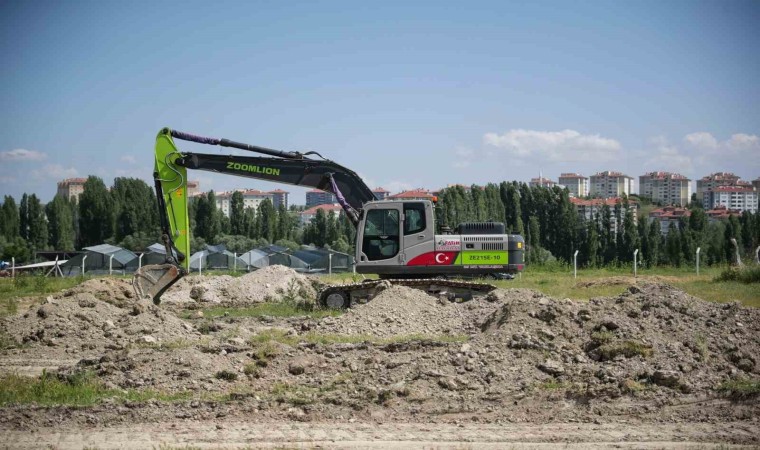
(554, 281)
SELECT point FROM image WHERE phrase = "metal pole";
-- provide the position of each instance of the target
(83, 260)
(575, 264)
(200, 264)
(110, 265)
(698, 250)
(13, 267)
(234, 263)
(139, 261)
(329, 263)
(635, 253)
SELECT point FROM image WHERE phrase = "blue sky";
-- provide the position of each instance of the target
(408, 94)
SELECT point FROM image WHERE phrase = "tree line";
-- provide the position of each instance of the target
(553, 229)
(126, 215)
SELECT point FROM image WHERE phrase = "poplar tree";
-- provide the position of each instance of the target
(60, 214)
(9, 219)
(96, 212)
(237, 214)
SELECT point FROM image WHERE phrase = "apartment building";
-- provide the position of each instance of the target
(717, 179)
(756, 184)
(414, 194)
(380, 193)
(673, 214)
(310, 213)
(740, 198)
(279, 197)
(666, 188)
(592, 208)
(316, 197)
(71, 188)
(575, 183)
(252, 198)
(609, 184)
(541, 181)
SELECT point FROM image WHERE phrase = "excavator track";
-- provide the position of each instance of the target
(347, 295)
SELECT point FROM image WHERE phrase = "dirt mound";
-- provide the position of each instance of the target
(272, 283)
(116, 291)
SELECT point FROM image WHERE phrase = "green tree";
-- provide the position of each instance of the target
(237, 214)
(9, 219)
(268, 220)
(136, 212)
(207, 217)
(96, 213)
(60, 213)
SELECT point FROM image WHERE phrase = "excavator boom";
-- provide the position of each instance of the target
(170, 176)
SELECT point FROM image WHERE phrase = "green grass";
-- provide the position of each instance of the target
(628, 349)
(329, 338)
(12, 290)
(278, 309)
(557, 281)
(740, 389)
(79, 390)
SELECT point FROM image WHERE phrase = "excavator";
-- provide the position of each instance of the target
(395, 239)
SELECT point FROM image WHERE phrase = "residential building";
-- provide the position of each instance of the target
(310, 213)
(756, 184)
(575, 183)
(193, 187)
(673, 214)
(71, 188)
(665, 188)
(414, 194)
(251, 199)
(668, 215)
(740, 198)
(316, 197)
(380, 193)
(279, 197)
(716, 179)
(610, 184)
(541, 181)
(589, 209)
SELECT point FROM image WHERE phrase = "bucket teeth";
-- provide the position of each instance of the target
(151, 281)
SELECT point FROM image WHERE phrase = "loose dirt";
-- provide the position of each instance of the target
(651, 357)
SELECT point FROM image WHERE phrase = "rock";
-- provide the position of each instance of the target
(546, 334)
(147, 339)
(667, 378)
(297, 367)
(197, 315)
(44, 311)
(108, 325)
(465, 348)
(746, 365)
(137, 309)
(87, 301)
(237, 341)
(448, 383)
(552, 367)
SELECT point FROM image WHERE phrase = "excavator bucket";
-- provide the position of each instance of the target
(151, 281)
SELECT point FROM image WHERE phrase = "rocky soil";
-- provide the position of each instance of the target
(651, 355)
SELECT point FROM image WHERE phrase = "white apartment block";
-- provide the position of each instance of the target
(739, 198)
(575, 183)
(541, 181)
(717, 179)
(71, 188)
(251, 199)
(609, 184)
(666, 188)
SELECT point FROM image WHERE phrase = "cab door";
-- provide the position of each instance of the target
(380, 236)
(418, 232)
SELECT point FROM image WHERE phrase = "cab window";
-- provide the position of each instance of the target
(381, 234)
(414, 218)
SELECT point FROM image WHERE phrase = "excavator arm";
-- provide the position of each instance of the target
(170, 177)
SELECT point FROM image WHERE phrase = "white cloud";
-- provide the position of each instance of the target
(740, 148)
(20, 154)
(55, 172)
(463, 157)
(7, 179)
(555, 146)
(667, 157)
(701, 140)
(128, 159)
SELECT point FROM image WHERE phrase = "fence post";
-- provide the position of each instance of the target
(200, 265)
(13, 267)
(575, 264)
(83, 260)
(110, 265)
(635, 253)
(139, 261)
(234, 262)
(329, 263)
(698, 250)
